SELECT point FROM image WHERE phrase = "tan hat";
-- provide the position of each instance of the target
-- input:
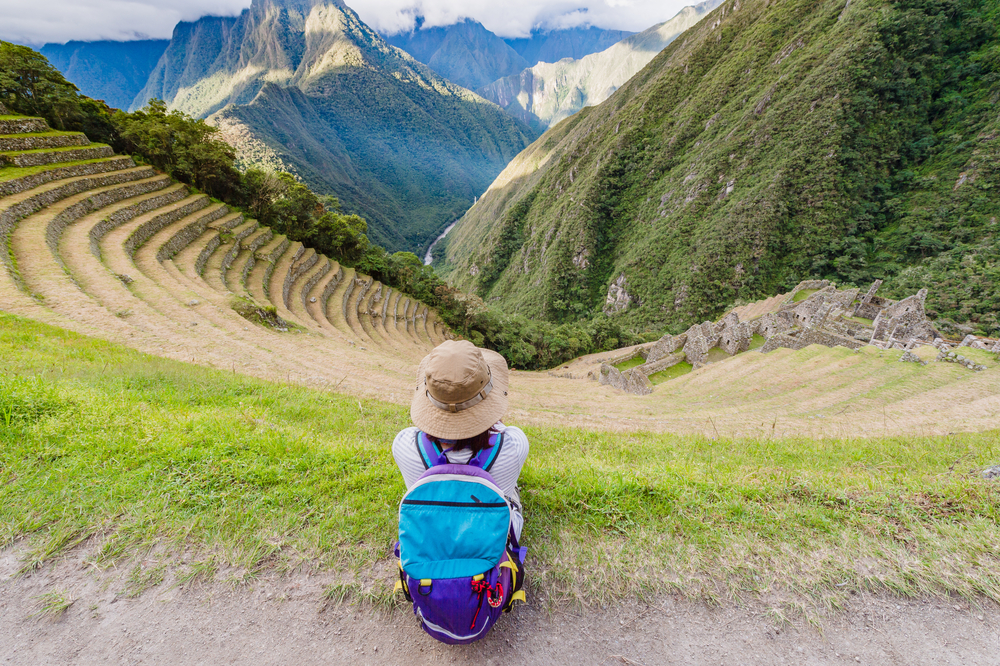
(461, 390)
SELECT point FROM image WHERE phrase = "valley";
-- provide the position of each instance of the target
(769, 145)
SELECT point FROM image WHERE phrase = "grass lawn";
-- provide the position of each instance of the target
(675, 370)
(633, 362)
(138, 455)
(803, 295)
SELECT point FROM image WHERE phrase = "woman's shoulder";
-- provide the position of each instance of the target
(515, 439)
(405, 436)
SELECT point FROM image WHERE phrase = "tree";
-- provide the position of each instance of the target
(184, 147)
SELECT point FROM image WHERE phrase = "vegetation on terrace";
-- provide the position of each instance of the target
(138, 455)
(189, 150)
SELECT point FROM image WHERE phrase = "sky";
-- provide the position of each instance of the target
(63, 20)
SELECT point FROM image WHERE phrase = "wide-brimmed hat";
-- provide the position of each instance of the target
(461, 390)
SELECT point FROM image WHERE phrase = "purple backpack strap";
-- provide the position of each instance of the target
(432, 455)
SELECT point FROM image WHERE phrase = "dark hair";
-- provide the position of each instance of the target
(475, 443)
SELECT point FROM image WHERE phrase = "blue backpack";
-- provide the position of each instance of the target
(459, 560)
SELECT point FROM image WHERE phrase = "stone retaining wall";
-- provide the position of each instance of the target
(630, 380)
(23, 125)
(331, 287)
(264, 238)
(347, 297)
(365, 286)
(648, 368)
(406, 315)
(55, 227)
(297, 268)
(385, 306)
(269, 270)
(211, 246)
(227, 261)
(128, 213)
(38, 142)
(141, 234)
(24, 183)
(34, 159)
(30, 205)
(188, 234)
(370, 309)
(313, 281)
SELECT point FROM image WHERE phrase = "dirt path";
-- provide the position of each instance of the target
(284, 620)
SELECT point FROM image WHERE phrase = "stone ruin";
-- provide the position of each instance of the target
(829, 316)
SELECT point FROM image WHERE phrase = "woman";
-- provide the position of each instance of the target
(460, 397)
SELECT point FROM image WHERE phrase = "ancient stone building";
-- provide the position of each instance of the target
(828, 316)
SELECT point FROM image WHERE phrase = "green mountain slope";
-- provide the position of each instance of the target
(108, 70)
(466, 52)
(546, 93)
(306, 86)
(772, 142)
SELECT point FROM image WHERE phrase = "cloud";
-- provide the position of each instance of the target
(27, 22)
(63, 20)
(516, 18)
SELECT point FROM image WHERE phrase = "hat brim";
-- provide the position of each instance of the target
(443, 424)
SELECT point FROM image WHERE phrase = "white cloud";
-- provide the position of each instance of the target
(515, 18)
(29, 22)
(63, 20)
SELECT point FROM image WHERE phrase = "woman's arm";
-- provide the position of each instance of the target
(404, 450)
(508, 466)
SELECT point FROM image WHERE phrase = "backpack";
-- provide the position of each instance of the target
(459, 561)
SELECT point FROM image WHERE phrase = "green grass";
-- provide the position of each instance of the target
(129, 455)
(757, 341)
(673, 371)
(633, 362)
(716, 354)
(52, 604)
(803, 294)
(58, 149)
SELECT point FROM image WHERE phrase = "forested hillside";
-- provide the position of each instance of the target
(305, 86)
(772, 142)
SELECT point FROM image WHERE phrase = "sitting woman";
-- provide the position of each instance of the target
(460, 398)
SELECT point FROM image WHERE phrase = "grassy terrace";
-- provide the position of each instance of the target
(137, 455)
(10, 173)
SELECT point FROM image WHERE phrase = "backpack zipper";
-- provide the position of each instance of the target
(469, 505)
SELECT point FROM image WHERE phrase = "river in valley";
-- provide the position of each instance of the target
(427, 257)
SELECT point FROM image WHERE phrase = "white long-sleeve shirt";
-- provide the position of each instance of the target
(505, 470)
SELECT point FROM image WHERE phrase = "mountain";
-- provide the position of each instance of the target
(550, 91)
(306, 86)
(112, 71)
(465, 52)
(552, 45)
(772, 142)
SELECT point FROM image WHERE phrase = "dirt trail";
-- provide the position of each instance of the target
(284, 620)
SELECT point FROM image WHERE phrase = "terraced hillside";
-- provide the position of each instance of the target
(94, 243)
